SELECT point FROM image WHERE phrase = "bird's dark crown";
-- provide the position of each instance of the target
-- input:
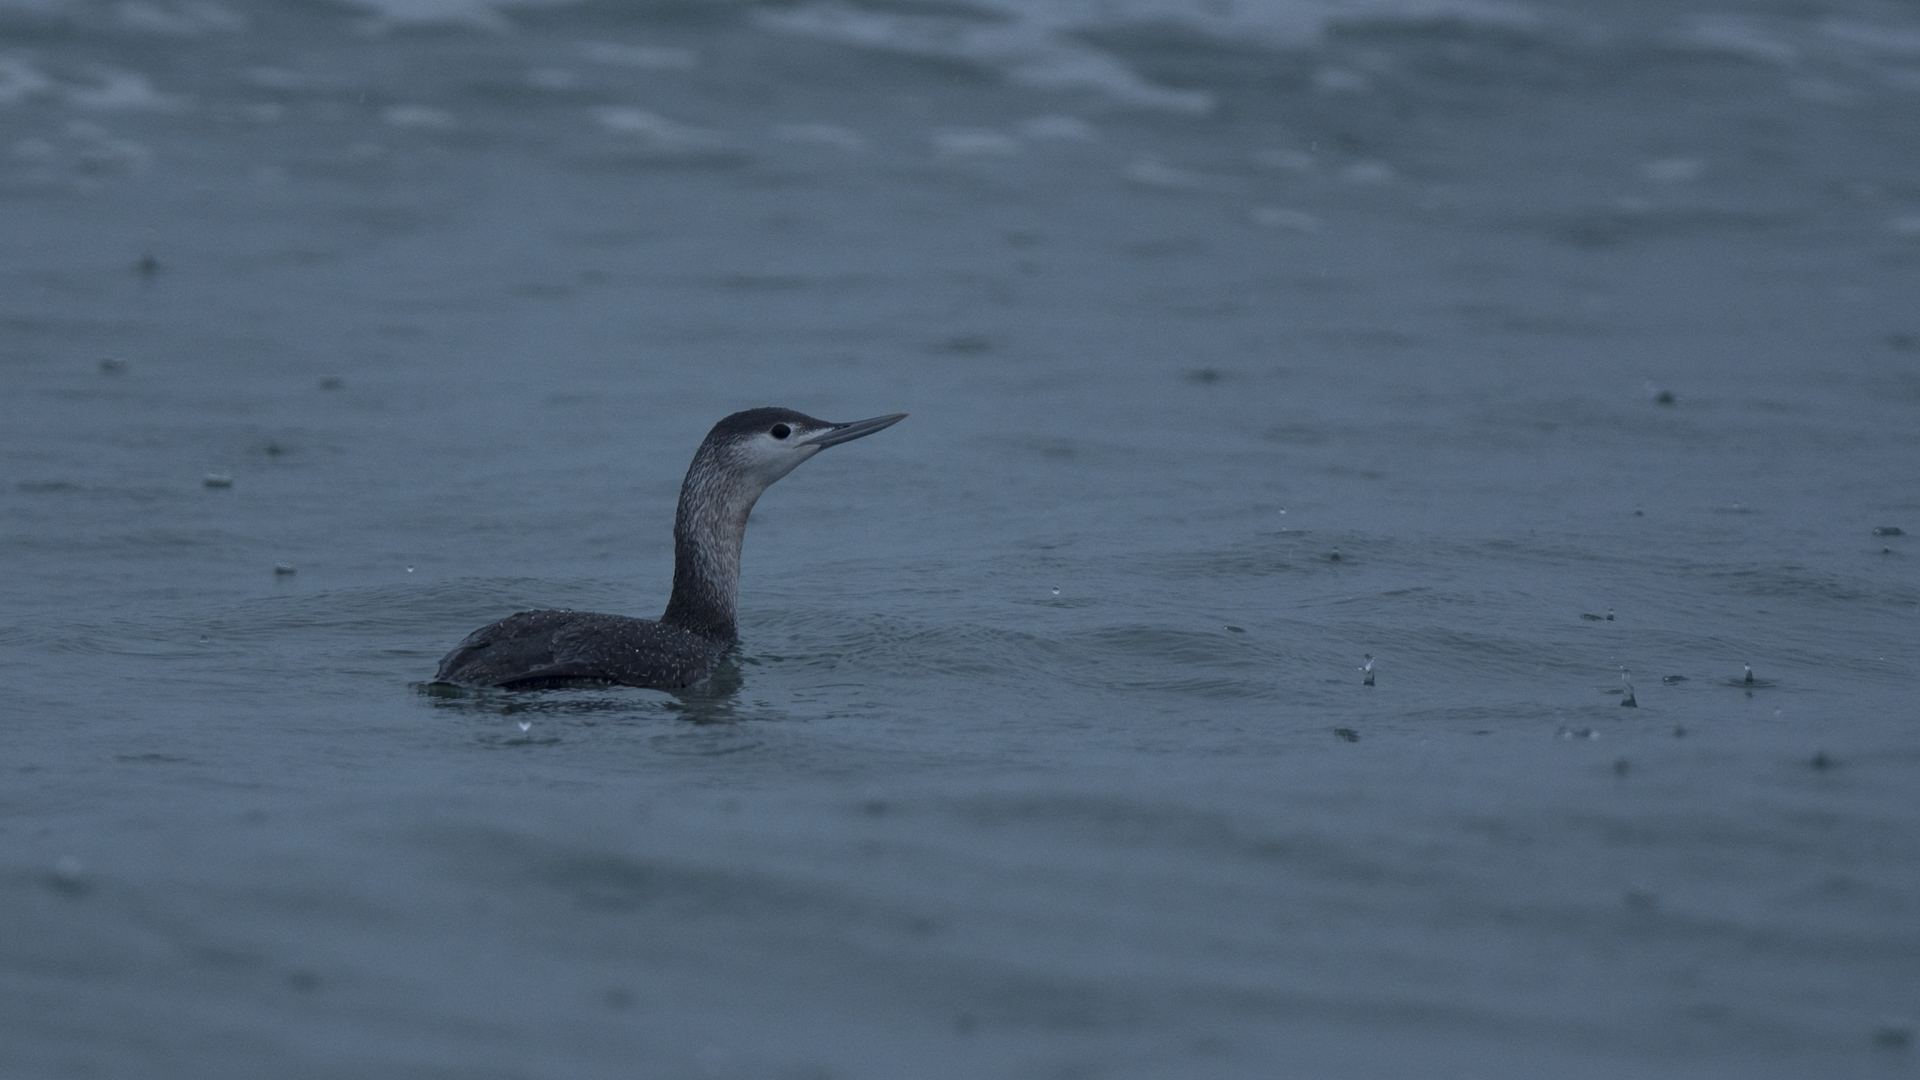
(754, 421)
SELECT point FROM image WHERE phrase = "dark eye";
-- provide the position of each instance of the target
(780, 431)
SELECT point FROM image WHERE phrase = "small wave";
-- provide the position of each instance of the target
(113, 89)
(642, 57)
(1800, 45)
(1022, 51)
(609, 876)
(20, 80)
(1900, 41)
(1044, 44)
(705, 741)
(1630, 222)
(648, 136)
(479, 14)
(1132, 657)
(178, 20)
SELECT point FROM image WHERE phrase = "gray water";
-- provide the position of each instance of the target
(1546, 353)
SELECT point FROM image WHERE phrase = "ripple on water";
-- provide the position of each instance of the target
(705, 741)
(1131, 657)
(609, 877)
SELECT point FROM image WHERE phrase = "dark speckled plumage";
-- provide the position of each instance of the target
(534, 650)
(738, 460)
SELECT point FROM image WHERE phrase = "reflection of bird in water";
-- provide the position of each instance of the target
(739, 459)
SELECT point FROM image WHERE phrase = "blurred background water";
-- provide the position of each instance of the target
(1551, 354)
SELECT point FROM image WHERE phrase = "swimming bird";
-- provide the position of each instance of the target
(739, 459)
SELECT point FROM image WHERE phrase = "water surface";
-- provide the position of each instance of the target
(1547, 354)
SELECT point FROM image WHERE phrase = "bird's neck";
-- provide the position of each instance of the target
(709, 529)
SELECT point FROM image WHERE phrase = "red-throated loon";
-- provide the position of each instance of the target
(739, 459)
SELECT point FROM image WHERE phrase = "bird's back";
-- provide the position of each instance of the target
(533, 649)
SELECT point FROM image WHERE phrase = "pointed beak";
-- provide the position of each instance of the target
(840, 433)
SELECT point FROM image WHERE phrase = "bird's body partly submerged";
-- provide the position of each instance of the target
(739, 459)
